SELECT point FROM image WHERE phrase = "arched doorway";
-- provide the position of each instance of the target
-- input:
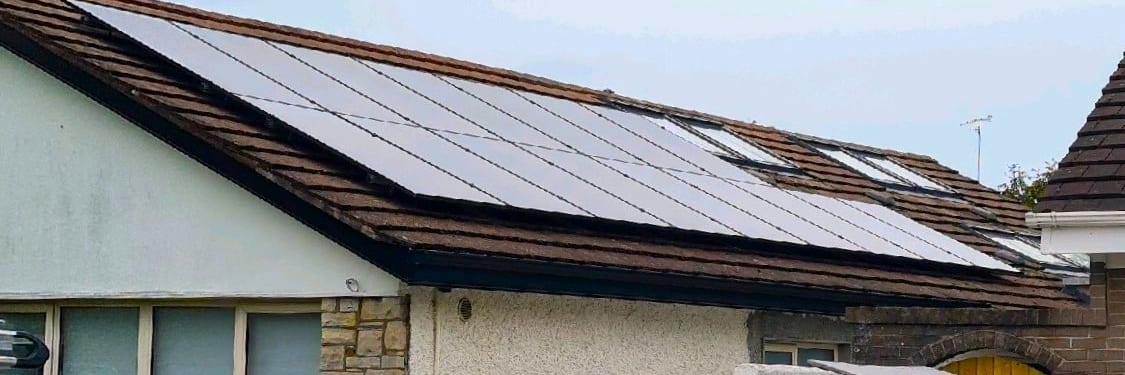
(993, 365)
(987, 352)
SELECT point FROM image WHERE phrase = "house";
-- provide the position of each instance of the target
(180, 184)
(1077, 216)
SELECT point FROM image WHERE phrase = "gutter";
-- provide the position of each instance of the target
(1076, 219)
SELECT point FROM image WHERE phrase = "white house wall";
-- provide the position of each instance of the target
(93, 206)
(524, 333)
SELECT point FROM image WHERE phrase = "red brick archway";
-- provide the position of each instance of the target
(1030, 352)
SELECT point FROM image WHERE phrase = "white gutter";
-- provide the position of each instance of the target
(1082, 232)
(1076, 219)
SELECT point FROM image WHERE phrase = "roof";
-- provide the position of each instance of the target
(1091, 177)
(463, 245)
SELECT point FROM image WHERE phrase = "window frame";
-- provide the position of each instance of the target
(898, 183)
(729, 153)
(794, 348)
(53, 311)
(50, 326)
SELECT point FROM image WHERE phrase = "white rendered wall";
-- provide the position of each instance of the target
(525, 333)
(93, 206)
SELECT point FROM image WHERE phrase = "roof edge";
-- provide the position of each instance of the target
(1076, 219)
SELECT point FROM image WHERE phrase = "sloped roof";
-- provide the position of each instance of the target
(454, 240)
(1091, 177)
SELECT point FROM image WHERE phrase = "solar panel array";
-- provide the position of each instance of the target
(451, 138)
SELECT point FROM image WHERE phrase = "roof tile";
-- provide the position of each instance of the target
(1107, 187)
(312, 173)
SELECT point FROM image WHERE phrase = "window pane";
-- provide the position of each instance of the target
(805, 354)
(742, 146)
(859, 165)
(779, 358)
(905, 173)
(193, 341)
(33, 323)
(283, 344)
(687, 135)
(99, 341)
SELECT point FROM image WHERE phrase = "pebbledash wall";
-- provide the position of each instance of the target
(1079, 341)
(527, 333)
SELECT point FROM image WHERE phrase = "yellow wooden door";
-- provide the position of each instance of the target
(990, 366)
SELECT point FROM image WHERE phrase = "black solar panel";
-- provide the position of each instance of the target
(451, 138)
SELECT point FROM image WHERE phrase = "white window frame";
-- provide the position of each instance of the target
(53, 311)
(793, 349)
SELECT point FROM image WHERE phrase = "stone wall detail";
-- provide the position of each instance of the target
(364, 336)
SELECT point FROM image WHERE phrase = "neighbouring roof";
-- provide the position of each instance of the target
(461, 245)
(1091, 177)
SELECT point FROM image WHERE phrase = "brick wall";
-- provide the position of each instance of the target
(368, 336)
(1055, 341)
(1080, 341)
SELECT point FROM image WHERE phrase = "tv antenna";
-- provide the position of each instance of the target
(976, 124)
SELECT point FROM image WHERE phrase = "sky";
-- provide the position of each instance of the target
(892, 74)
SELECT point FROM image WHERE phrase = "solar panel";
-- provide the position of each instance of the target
(293, 74)
(686, 135)
(718, 210)
(644, 127)
(582, 194)
(598, 126)
(645, 197)
(798, 204)
(934, 237)
(915, 247)
(549, 124)
(474, 169)
(392, 162)
(476, 111)
(371, 84)
(191, 53)
(452, 138)
(806, 231)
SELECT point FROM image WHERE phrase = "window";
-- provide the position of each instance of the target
(1029, 248)
(717, 140)
(269, 349)
(798, 354)
(183, 335)
(173, 338)
(882, 169)
(99, 341)
(906, 174)
(32, 319)
(689, 136)
(859, 165)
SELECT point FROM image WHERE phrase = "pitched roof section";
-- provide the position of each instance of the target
(1091, 177)
(343, 191)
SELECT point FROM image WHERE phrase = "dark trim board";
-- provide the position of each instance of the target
(459, 270)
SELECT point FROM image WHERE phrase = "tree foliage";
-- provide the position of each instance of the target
(1027, 186)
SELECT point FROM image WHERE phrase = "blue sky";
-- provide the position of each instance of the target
(893, 74)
